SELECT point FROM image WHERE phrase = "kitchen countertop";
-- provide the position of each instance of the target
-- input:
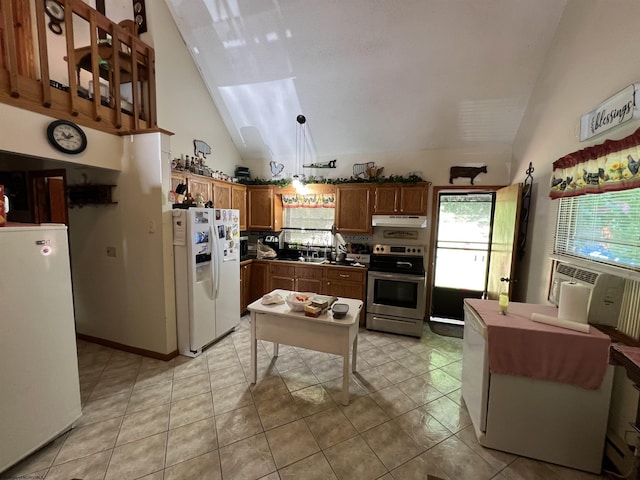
(297, 262)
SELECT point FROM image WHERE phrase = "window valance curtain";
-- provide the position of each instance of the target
(311, 200)
(608, 167)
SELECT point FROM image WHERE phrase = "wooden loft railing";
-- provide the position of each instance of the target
(64, 76)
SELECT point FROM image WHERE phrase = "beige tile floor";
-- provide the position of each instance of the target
(200, 419)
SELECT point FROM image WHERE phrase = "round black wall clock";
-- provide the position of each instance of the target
(55, 10)
(66, 136)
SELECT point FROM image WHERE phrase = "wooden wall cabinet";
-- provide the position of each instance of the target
(221, 194)
(177, 178)
(413, 199)
(239, 202)
(197, 184)
(400, 199)
(353, 208)
(386, 199)
(264, 208)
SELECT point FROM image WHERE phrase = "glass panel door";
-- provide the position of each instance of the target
(462, 251)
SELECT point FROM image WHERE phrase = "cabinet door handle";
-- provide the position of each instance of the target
(342, 275)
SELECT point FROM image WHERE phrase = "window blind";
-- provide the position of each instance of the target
(602, 229)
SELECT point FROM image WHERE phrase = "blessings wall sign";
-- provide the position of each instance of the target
(614, 111)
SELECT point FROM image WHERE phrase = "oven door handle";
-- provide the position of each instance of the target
(407, 277)
(404, 264)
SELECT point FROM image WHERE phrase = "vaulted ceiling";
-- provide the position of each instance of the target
(370, 76)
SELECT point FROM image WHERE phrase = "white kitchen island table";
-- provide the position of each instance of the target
(279, 324)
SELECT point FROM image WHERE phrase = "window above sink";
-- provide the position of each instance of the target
(308, 226)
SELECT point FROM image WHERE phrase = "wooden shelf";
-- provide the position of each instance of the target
(81, 195)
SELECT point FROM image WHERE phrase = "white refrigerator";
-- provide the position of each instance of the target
(39, 385)
(206, 244)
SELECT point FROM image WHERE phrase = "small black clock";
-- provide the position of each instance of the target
(66, 136)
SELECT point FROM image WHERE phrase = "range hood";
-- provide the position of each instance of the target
(409, 221)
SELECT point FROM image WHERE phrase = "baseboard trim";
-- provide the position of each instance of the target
(446, 328)
(120, 346)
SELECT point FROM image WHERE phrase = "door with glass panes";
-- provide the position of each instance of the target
(475, 235)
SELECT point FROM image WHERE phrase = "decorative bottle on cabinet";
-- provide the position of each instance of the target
(503, 299)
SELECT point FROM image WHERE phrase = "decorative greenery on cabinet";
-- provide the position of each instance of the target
(338, 181)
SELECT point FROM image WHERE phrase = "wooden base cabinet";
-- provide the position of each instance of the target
(309, 278)
(259, 281)
(326, 280)
(245, 285)
(299, 278)
(282, 276)
(347, 283)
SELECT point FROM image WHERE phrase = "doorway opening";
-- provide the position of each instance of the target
(462, 252)
(47, 189)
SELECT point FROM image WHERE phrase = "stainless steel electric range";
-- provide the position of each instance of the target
(396, 289)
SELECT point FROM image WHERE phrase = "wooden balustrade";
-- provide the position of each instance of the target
(96, 67)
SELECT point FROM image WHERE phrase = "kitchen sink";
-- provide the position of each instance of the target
(316, 260)
(312, 259)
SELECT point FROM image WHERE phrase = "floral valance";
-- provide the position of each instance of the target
(610, 166)
(311, 200)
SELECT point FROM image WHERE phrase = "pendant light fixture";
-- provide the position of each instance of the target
(301, 143)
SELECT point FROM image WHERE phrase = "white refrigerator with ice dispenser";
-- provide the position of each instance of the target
(206, 243)
(39, 385)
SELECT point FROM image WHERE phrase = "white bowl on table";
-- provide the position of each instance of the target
(298, 300)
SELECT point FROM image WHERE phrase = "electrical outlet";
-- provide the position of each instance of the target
(111, 251)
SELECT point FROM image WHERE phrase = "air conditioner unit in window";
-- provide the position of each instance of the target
(606, 292)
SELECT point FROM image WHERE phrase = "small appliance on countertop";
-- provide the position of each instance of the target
(244, 248)
(349, 253)
(272, 241)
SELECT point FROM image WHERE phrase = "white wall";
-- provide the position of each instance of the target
(123, 298)
(185, 106)
(432, 165)
(128, 299)
(592, 58)
(140, 278)
(26, 133)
